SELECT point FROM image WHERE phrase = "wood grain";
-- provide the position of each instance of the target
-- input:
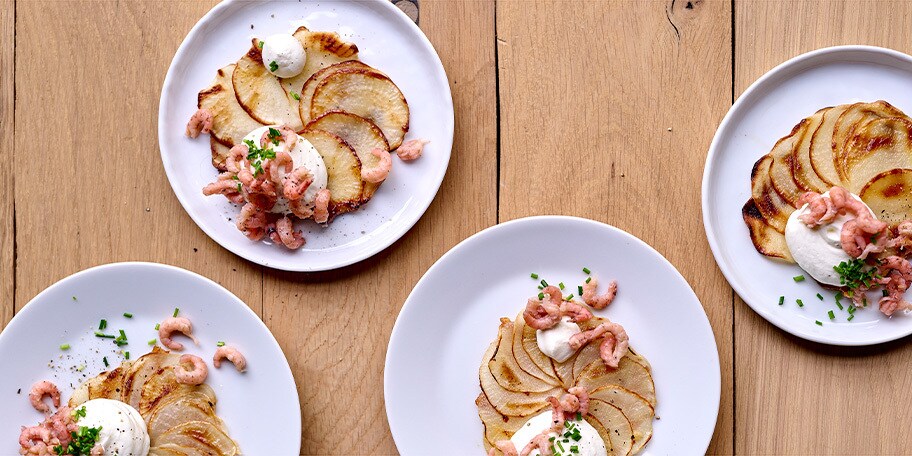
(793, 396)
(607, 110)
(334, 326)
(7, 118)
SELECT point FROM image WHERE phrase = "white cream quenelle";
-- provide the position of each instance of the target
(589, 444)
(817, 250)
(123, 430)
(555, 342)
(283, 55)
(303, 154)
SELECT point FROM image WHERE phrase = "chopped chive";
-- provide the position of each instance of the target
(561, 285)
(541, 296)
(541, 287)
(81, 368)
(850, 317)
(126, 355)
(176, 310)
(885, 293)
(102, 324)
(105, 359)
(586, 271)
(152, 342)
(820, 296)
(798, 278)
(818, 322)
(296, 96)
(544, 284)
(550, 439)
(579, 288)
(781, 300)
(123, 335)
(569, 298)
(128, 315)
(273, 66)
(74, 298)
(534, 276)
(260, 44)
(840, 306)
(800, 304)
(851, 309)
(103, 335)
(219, 344)
(65, 347)
(157, 325)
(831, 315)
(579, 416)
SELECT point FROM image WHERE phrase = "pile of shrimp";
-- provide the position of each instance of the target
(258, 191)
(191, 369)
(55, 430)
(575, 401)
(862, 237)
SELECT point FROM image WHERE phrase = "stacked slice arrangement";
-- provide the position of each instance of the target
(344, 107)
(181, 418)
(516, 379)
(865, 148)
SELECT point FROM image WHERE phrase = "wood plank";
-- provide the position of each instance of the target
(7, 120)
(607, 109)
(335, 326)
(94, 190)
(797, 397)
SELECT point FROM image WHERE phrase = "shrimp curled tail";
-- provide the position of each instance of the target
(173, 325)
(200, 122)
(321, 206)
(252, 222)
(231, 354)
(34, 436)
(506, 447)
(576, 312)
(544, 313)
(286, 235)
(599, 301)
(41, 389)
(411, 150)
(194, 376)
(380, 172)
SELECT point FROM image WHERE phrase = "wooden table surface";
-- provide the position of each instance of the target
(626, 93)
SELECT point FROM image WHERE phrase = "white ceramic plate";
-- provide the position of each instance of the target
(767, 111)
(452, 315)
(256, 406)
(388, 40)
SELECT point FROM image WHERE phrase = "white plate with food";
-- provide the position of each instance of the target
(305, 136)
(806, 188)
(449, 390)
(120, 388)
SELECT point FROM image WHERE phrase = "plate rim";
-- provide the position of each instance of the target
(375, 247)
(396, 333)
(103, 268)
(709, 169)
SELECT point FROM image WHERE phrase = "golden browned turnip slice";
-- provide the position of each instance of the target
(505, 368)
(219, 154)
(201, 436)
(603, 432)
(173, 450)
(879, 146)
(628, 374)
(522, 357)
(637, 410)
(775, 210)
(307, 91)
(366, 93)
(322, 49)
(361, 134)
(802, 170)
(530, 345)
(193, 406)
(230, 122)
(821, 152)
(889, 195)
(781, 168)
(497, 426)
(506, 402)
(620, 433)
(343, 170)
(856, 116)
(261, 94)
(765, 238)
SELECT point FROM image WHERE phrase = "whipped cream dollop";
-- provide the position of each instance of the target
(817, 250)
(283, 55)
(303, 154)
(123, 430)
(555, 341)
(590, 443)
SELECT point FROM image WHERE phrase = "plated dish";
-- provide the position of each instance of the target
(826, 218)
(459, 407)
(137, 359)
(312, 109)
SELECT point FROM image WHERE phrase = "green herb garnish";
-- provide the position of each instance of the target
(799, 278)
(273, 66)
(152, 342)
(79, 413)
(586, 271)
(781, 300)
(102, 324)
(65, 347)
(103, 335)
(855, 274)
(219, 344)
(820, 296)
(561, 285)
(105, 360)
(534, 276)
(831, 315)
(256, 156)
(260, 44)
(274, 136)
(157, 325)
(295, 96)
(588, 279)
(128, 315)
(818, 322)
(579, 288)
(544, 283)
(126, 355)
(176, 309)
(569, 298)
(800, 304)
(541, 296)
(850, 317)
(82, 443)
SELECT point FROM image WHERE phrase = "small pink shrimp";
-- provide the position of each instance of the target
(820, 209)
(889, 305)
(32, 435)
(857, 243)
(903, 239)
(295, 183)
(380, 172)
(598, 302)
(41, 389)
(612, 349)
(321, 206)
(576, 312)
(194, 376)
(97, 450)
(200, 122)
(506, 447)
(225, 185)
(289, 137)
(61, 424)
(231, 354)
(300, 209)
(544, 313)
(557, 413)
(569, 403)
(286, 235)
(173, 325)
(582, 395)
(280, 166)
(539, 442)
(411, 150)
(252, 222)
(236, 155)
